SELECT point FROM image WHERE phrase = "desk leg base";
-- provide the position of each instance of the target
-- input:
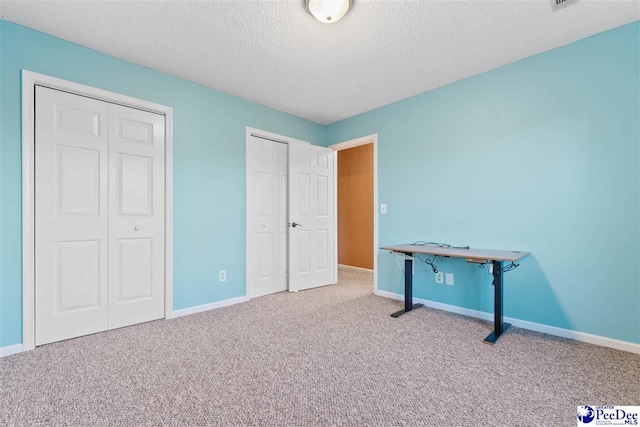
(401, 312)
(492, 338)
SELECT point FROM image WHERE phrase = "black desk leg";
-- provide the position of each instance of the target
(408, 286)
(499, 327)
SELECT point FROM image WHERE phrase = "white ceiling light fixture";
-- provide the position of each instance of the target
(328, 11)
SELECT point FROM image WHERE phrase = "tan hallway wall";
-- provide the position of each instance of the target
(355, 206)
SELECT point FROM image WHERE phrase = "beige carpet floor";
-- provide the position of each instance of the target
(328, 356)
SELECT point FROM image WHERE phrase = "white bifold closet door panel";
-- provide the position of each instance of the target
(71, 216)
(99, 216)
(267, 217)
(136, 216)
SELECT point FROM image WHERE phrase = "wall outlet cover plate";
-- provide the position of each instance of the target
(449, 279)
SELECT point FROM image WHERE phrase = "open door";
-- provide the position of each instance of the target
(312, 261)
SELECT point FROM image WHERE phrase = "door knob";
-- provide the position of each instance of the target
(295, 224)
(136, 228)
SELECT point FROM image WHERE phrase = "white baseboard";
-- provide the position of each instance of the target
(524, 324)
(10, 349)
(351, 267)
(210, 306)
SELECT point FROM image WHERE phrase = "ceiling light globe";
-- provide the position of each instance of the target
(328, 11)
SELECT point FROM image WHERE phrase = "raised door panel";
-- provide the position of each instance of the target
(267, 261)
(303, 202)
(266, 194)
(322, 240)
(322, 196)
(77, 276)
(79, 123)
(135, 132)
(134, 270)
(135, 185)
(71, 217)
(304, 251)
(77, 181)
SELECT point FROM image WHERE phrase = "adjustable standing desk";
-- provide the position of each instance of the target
(471, 255)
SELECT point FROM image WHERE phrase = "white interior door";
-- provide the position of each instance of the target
(267, 189)
(136, 216)
(99, 216)
(71, 217)
(312, 217)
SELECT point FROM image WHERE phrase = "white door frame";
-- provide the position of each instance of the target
(29, 81)
(275, 138)
(369, 139)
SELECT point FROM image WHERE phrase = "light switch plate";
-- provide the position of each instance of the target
(383, 208)
(449, 279)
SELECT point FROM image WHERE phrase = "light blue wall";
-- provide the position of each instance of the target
(209, 165)
(540, 155)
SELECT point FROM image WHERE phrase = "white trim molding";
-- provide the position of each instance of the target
(29, 81)
(210, 306)
(10, 349)
(524, 324)
(364, 140)
(351, 267)
(271, 136)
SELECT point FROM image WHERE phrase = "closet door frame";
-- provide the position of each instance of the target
(29, 81)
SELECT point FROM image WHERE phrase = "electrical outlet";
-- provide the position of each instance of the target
(222, 276)
(449, 279)
(439, 278)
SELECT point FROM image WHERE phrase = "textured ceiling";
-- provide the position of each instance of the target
(276, 54)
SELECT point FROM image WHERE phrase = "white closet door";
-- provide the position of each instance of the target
(312, 261)
(267, 217)
(71, 218)
(136, 216)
